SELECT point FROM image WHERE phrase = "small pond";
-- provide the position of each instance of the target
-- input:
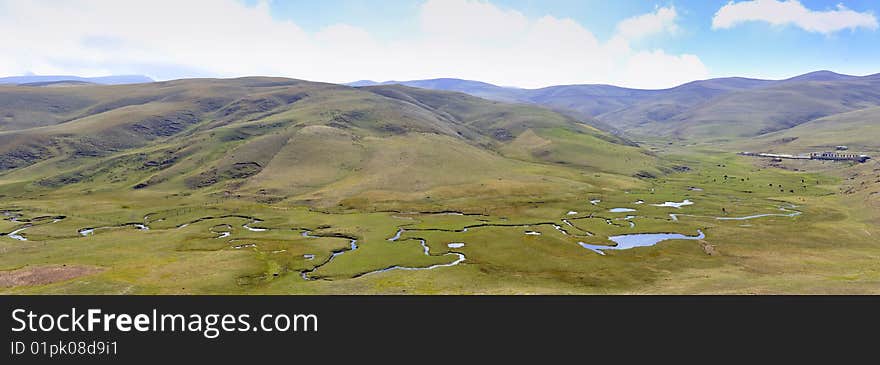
(628, 241)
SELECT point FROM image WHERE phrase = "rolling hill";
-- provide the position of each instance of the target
(586, 100)
(35, 80)
(276, 139)
(859, 130)
(475, 88)
(754, 112)
(720, 108)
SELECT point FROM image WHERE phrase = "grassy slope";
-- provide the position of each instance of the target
(367, 161)
(857, 129)
(316, 144)
(715, 109)
(754, 112)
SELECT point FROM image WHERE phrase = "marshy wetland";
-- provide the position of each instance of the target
(600, 241)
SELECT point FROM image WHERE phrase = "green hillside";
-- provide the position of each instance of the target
(770, 109)
(715, 109)
(859, 130)
(280, 139)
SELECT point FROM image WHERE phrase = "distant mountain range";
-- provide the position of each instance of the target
(718, 108)
(52, 79)
(713, 109)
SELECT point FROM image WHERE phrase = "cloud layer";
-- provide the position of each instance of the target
(792, 12)
(660, 21)
(455, 38)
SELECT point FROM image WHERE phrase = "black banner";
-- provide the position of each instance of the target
(130, 328)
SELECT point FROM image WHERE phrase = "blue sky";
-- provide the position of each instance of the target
(750, 49)
(527, 43)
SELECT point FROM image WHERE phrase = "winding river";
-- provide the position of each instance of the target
(792, 213)
(17, 234)
(621, 242)
(352, 246)
(254, 229)
(459, 259)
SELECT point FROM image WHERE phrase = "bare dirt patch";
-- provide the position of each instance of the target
(707, 248)
(41, 275)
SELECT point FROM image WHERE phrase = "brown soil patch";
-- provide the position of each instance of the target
(707, 248)
(41, 275)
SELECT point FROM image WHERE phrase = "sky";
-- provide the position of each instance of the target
(520, 43)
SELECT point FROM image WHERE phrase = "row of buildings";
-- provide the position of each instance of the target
(838, 156)
(831, 156)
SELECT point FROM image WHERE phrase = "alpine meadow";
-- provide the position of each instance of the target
(697, 175)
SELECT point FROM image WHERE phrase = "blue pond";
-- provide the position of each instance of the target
(628, 241)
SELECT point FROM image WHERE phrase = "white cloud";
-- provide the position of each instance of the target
(665, 69)
(454, 38)
(662, 20)
(481, 20)
(792, 12)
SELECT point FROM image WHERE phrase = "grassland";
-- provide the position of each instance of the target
(827, 249)
(260, 186)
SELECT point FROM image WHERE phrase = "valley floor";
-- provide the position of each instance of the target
(767, 230)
